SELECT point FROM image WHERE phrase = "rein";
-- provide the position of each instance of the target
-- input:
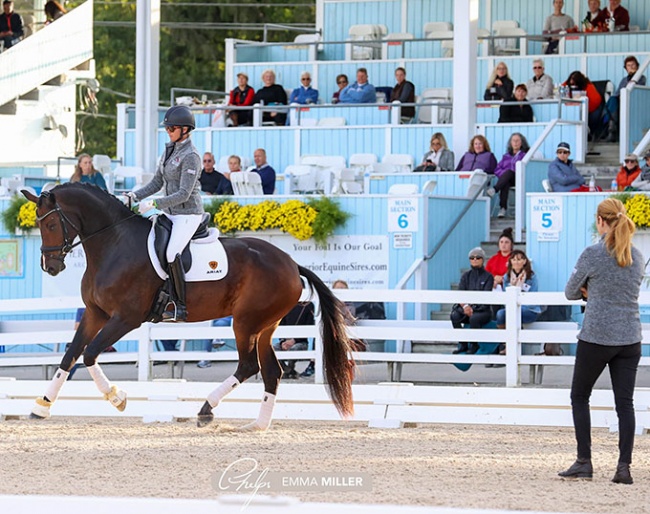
(68, 245)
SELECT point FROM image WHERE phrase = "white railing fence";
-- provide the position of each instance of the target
(402, 331)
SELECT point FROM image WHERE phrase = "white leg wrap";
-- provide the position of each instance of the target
(266, 413)
(100, 379)
(59, 378)
(224, 388)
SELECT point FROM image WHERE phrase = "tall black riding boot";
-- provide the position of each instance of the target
(178, 280)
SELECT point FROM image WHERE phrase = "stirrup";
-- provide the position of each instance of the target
(175, 315)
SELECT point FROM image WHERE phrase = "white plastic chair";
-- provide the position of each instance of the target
(368, 49)
(403, 189)
(401, 161)
(362, 163)
(476, 182)
(246, 183)
(335, 121)
(393, 39)
(122, 172)
(510, 45)
(436, 26)
(499, 24)
(301, 177)
(435, 113)
(546, 184)
(102, 163)
(429, 187)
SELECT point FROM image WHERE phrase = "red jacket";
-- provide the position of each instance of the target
(625, 178)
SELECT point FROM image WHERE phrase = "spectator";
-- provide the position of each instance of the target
(439, 157)
(242, 95)
(301, 314)
(562, 173)
(540, 87)
(341, 82)
(590, 22)
(498, 263)
(556, 23)
(631, 66)
(499, 85)
(628, 172)
(271, 94)
(478, 157)
(211, 344)
(86, 173)
(578, 82)
(520, 274)
(404, 92)
(642, 182)
(477, 315)
(264, 170)
(359, 92)
(304, 94)
(11, 25)
(505, 170)
(213, 182)
(53, 11)
(619, 14)
(522, 113)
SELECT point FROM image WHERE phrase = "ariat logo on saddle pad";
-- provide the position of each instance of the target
(213, 265)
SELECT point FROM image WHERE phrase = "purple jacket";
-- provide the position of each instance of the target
(485, 161)
(508, 162)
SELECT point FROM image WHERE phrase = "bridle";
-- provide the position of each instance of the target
(68, 245)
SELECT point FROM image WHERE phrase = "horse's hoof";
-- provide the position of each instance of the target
(204, 420)
(117, 398)
(41, 410)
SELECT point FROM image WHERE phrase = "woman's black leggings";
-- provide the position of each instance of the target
(623, 362)
(503, 185)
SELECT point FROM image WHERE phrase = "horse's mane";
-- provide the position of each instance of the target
(109, 201)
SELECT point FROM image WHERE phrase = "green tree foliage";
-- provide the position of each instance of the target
(192, 51)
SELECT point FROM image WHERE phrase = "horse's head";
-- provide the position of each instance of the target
(57, 231)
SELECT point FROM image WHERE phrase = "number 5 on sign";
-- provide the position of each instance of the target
(546, 213)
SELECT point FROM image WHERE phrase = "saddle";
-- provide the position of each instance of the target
(163, 230)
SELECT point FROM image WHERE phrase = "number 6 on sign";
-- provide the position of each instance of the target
(403, 214)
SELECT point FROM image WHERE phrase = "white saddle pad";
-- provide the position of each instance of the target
(209, 259)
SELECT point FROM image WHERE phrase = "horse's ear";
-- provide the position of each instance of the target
(29, 195)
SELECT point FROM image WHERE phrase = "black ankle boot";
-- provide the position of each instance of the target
(622, 475)
(473, 348)
(581, 468)
(462, 348)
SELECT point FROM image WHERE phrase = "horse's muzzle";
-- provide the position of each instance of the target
(52, 266)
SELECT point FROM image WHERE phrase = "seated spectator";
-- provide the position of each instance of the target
(341, 82)
(497, 266)
(562, 173)
(85, 172)
(556, 23)
(242, 95)
(578, 82)
(301, 314)
(211, 344)
(271, 94)
(212, 181)
(516, 113)
(264, 170)
(478, 157)
(404, 92)
(477, 315)
(505, 170)
(11, 25)
(591, 23)
(499, 85)
(631, 66)
(540, 87)
(628, 172)
(520, 274)
(304, 94)
(439, 157)
(619, 14)
(53, 11)
(359, 92)
(642, 181)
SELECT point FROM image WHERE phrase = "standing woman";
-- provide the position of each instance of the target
(85, 172)
(608, 275)
(178, 173)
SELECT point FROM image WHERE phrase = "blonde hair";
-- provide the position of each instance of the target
(441, 138)
(618, 239)
(76, 175)
(268, 70)
(493, 75)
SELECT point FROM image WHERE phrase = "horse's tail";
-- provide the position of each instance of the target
(338, 364)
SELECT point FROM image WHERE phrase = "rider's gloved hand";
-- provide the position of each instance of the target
(129, 199)
(146, 205)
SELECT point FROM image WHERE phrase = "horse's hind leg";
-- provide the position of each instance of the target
(271, 374)
(87, 329)
(246, 368)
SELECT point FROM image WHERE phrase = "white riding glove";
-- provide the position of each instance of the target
(129, 199)
(146, 205)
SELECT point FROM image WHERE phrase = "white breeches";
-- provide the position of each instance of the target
(183, 228)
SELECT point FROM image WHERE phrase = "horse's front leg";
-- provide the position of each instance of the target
(113, 331)
(91, 323)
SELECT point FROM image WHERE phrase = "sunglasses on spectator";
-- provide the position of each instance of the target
(538, 67)
(342, 82)
(563, 151)
(305, 78)
(208, 160)
(475, 258)
(631, 160)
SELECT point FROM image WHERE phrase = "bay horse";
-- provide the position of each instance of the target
(120, 285)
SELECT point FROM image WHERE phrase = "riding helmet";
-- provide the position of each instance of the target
(179, 116)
